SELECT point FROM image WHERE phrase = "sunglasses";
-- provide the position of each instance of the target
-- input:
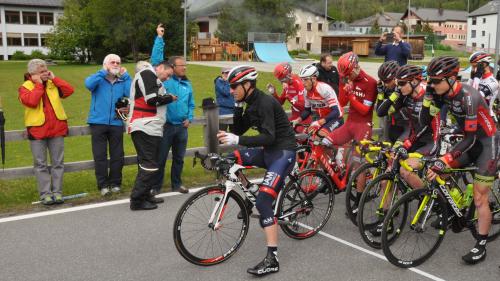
(387, 81)
(402, 83)
(436, 81)
(234, 86)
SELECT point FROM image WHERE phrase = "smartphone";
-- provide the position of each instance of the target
(390, 37)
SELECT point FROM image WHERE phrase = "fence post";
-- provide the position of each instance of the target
(385, 128)
(211, 127)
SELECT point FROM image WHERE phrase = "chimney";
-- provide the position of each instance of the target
(440, 11)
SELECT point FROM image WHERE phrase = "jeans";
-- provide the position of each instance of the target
(49, 182)
(101, 136)
(175, 137)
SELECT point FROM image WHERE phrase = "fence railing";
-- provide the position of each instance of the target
(210, 120)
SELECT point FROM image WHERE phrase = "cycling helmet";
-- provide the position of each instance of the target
(282, 70)
(480, 57)
(409, 72)
(242, 73)
(443, 67)
(346, 63)
(308, 71)
(388, 70)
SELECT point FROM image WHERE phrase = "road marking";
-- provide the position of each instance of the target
(418, 271)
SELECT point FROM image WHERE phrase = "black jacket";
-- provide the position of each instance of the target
(329, 77)
(264, 114)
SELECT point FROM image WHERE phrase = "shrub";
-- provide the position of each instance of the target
(20, 55)
(37, 54)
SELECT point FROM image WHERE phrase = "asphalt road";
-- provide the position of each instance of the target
(107, 241)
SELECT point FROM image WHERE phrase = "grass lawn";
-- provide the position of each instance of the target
(17, 195)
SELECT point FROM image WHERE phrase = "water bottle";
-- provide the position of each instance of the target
(254, 188)
(456, 194)
(339, 158)
(467, 198)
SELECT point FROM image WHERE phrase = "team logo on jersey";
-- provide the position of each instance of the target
(271, 179)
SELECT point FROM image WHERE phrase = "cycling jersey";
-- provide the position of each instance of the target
(295, 94)
(472, 115)
(487, 87)
(323, 100)
(397, 120)
(361, 97)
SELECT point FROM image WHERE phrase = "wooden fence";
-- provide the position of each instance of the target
(210, 120)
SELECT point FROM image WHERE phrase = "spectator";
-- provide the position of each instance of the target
(225, 100)
(45, 121)
(328, 72)
(179, 116)
(397, 50)
(107, 87)
(148, 98)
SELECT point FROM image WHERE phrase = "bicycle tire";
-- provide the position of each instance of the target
(183, 235)
(495, 214)
(350, 196)
(299, 201)
(370, 216)
(411, 202)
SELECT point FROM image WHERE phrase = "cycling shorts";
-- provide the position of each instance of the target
(351, 131)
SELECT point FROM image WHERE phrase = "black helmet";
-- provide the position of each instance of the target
(409, 72)
(443, 67)
(388, 70)
(242, 73)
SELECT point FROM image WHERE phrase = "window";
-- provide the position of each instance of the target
(309, 26)
(472, 34)
(484, 20)
(474, 21)
(1, 39)
(439, 23)
(12, 17)
(474, 44)
(47, 18)
(308, 46)
(30, 39)
(43, 38)
(29, 18)
(297, 40)
(14, 39)
(320, 27)
(482, 46)
(483, 33)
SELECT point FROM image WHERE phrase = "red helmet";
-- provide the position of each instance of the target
(282, 70)
(480, 57)
(346, 63)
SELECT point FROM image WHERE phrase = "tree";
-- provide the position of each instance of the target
(375, 29)
(276, 16)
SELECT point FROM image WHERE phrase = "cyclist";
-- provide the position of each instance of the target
(322, 99)
(482, 78)
(273, 148)
(479, 144)
(293, 91)
(397, 121)
(359, 90)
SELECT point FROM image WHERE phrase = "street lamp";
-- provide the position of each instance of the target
(185, 6)
(495, 7)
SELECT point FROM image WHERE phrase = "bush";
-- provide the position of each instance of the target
(442, 47)
(37, 54)
(20, 55)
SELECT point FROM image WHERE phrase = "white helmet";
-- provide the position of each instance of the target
(308, 71)
(480, 56)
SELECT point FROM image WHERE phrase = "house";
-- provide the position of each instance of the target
(311, 26)
(385, 20)
(25, 23)
(482, 25)
(449, 23)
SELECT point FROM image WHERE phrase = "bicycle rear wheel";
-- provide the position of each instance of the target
(494, 200)
(306, 204)
(351, 204)
(374, 204)
(197, 240)
(418, 232)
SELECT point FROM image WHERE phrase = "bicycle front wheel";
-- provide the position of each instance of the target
(197, 239)
(410, 237)
(305, 204)
(370, 170)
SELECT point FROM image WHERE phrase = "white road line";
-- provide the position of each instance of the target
(418, 271)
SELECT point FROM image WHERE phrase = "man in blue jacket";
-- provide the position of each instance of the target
(225, 100)
(398, 50)
(180, 114)
(107, 86)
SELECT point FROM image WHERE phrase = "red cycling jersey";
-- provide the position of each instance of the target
(294, 93)
(360, 96)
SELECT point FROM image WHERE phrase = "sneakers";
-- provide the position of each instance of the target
(48, 200)
(155, 200)
(181, 189)
(58, 199)
(270, 264)
(377, 231)
(105, 191)
(116, 189)
(475, 255)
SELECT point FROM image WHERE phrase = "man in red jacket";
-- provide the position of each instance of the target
(45, 121)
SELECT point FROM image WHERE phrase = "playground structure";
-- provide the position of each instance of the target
(206, 47)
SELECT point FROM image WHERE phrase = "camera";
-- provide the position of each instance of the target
(121, 103)
(390, 37)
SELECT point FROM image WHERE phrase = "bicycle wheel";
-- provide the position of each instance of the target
(197, 240)
(351, 204)
(376, 200)
(305, 204)
(412, 236)
(494, 199)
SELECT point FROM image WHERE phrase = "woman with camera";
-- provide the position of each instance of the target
(110, 88)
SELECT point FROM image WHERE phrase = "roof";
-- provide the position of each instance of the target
(433, 14)
(37, 3)
(312, 10)
(488, 9)
(385, 19)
